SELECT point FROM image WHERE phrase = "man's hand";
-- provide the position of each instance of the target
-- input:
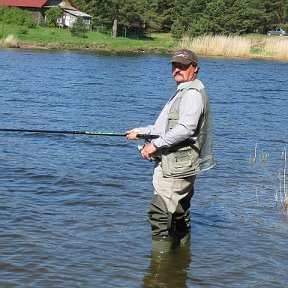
(148, 150)
(132, 134)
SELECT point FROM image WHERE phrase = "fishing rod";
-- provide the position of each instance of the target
(93, 133)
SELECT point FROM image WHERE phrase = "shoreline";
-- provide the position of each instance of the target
(68, 46)
(105, 48)
(87, 47)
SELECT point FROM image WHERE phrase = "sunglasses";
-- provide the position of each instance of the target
(180, 66)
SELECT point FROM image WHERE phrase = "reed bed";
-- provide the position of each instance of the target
(218, 45)
(281, 195)
(238, 46)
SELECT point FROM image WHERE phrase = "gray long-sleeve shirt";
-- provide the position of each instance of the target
(190, 110)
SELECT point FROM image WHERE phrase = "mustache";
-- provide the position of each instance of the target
(177, 73)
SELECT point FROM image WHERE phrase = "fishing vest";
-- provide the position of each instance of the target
(193, 155)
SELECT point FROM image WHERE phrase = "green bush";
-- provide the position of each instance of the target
(52, 15)
(79, 29)
(13, 15)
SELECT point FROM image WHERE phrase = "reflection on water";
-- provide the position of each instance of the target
(168, 270)
(73, 208)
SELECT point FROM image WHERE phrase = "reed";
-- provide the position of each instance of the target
(284, 179)
(283, 193)
(218, 45)
(276, 46)
(11, 41)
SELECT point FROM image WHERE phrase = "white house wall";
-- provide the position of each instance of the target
(69, 20)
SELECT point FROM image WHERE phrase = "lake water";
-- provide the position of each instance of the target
(73, 208)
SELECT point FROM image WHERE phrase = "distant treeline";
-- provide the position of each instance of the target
(186, 17)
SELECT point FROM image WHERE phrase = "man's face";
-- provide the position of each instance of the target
(183, 73)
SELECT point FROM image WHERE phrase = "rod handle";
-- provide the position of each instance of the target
(147, 136)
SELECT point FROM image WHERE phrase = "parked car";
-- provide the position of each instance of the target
(278, 32)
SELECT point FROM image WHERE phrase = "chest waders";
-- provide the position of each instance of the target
(182, 161)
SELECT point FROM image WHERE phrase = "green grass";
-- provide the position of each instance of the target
(63, 37)
(256, 50)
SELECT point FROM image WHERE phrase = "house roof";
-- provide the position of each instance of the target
(37, 3)
(26, 3)
(77, 13)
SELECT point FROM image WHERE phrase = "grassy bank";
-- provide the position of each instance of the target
(249, 46)
(62, 39)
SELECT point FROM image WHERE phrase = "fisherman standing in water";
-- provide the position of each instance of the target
(182, 150)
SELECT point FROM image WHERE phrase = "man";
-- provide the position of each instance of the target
(181, 151)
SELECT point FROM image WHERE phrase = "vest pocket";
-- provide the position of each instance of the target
(173, 118)
(181, 163)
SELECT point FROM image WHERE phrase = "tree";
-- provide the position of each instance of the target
(78, 29)
(163, 14)
(278, 11)
(233, 16)
(16, 16)
(187, 17)
(193, 18)
(128, 15)
(52, 15)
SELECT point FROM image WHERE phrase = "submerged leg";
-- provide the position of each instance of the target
(181, 220)
(161, 221)
(169, 213)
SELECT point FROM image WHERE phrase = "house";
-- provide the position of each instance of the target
(39, 7)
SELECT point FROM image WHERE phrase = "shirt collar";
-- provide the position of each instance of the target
(183, 85)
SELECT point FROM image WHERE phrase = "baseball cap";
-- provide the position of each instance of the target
(184, 56)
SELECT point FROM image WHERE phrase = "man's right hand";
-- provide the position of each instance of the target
(132, 134)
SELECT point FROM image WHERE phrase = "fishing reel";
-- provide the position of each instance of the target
(152, 156)
(147, 139)
(140, 147)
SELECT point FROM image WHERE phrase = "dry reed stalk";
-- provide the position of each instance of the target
(257, 199)
(280, 189)
(284, 180)
(277, 47)
(254, 157)
(218, 45)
